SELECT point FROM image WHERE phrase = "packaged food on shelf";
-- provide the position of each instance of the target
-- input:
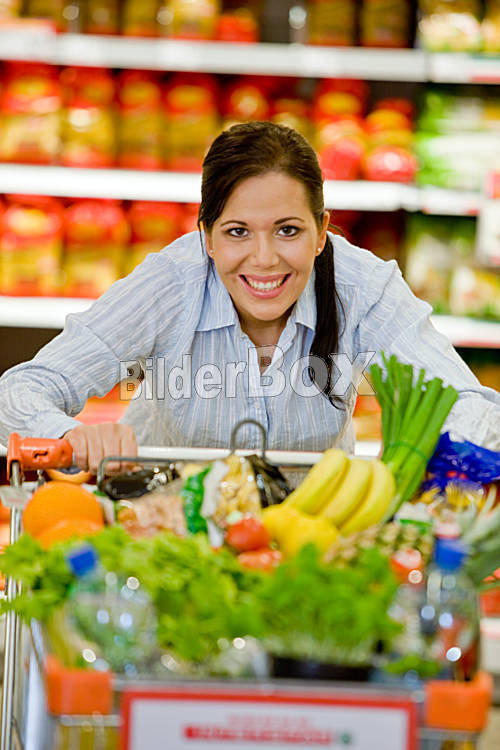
(294, 113)
(102, 16)
(385, 23)
(31, 246)
(89, 122)
(491, 27)
(474, 291)
(239, 25)
(450, 25)
(140, 122)
(30, 113)
(51, 10)
(247, 98)
(10, 9)
(153, 225)
(332, 22)
(97, 237)
(434, 247)
(139, 18)
(191, 120)
(390, 154)
(196, 19)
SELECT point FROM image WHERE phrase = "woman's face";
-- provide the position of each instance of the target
(264, 245)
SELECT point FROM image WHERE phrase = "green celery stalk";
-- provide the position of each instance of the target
(410, 475)
(418, 425)
(413, 401)
(404, 379)
(384, 399)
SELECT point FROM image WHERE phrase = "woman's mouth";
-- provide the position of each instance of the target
(265, 286)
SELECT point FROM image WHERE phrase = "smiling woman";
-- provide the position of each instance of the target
(262, 314)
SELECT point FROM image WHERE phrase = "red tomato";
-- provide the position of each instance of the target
(247, 534)
(261, 559)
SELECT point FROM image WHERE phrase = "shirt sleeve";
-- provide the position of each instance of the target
(41, 397)
(396, 322)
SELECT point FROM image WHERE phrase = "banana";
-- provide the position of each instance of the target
(375, 503)
(350, 493)
(320, 482)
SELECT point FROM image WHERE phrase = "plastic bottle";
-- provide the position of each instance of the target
(113, 617)
(450, 613)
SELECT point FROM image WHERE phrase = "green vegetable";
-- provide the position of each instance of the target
(317, 611)
(412, 418)
(192, 495)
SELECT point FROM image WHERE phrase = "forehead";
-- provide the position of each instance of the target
(273, 195)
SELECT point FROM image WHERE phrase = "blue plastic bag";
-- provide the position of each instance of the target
(476, 463)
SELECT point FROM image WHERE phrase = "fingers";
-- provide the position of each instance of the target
(91, 443)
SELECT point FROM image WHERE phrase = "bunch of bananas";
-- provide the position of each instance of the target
(339, 494)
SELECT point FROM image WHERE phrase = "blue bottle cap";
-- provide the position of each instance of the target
(449, 554)
(82, 560)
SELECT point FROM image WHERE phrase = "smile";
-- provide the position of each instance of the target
(266, 286)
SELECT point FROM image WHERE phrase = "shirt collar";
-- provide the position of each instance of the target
(218, 310)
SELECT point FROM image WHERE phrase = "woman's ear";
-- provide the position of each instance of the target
(208, 243)
(324, 229)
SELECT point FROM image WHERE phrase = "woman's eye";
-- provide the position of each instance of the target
(288, 230)
(237, 231)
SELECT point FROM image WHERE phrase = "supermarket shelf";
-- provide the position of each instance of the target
(39, 312)
(467, 332)
(125, 184)
(129, 184)
(43, 45)
(50, 312)
(212, 57)
(461, 67)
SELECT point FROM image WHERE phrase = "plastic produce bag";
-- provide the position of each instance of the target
(478, 464)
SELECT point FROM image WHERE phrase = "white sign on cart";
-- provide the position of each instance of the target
(179, 718)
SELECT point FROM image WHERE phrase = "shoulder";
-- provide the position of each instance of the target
(184, 259)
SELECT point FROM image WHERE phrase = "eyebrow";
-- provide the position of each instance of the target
(279, 221)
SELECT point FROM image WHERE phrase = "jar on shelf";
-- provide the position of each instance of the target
(30, 114)
(491, 27)
(10, 9)
(97, 236)
(294, 113)
(140, 122)
(89, 127)
(153, 226)
(31, 242)
(189, 19)
(50, 10)
(332, 22)
(191, 120)
(139, 18)
(385, 23)
(450, 25)
(102, 16)
(247, 98)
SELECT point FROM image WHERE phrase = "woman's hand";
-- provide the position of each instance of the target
(91, 443)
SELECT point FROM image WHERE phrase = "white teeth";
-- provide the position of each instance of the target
(264, 287)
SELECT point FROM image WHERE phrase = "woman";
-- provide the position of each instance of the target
(263, 314)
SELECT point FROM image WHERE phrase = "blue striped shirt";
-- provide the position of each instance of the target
(174, 316)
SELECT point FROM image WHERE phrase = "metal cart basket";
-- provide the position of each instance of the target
(228, 713)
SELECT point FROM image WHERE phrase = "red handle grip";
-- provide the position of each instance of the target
(38, 453)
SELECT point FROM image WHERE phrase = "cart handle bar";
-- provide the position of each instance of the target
(38, 453)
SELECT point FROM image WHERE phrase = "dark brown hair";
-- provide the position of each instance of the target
(252, 149)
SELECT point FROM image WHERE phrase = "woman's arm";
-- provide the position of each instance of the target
(397, 322)
(42, 397)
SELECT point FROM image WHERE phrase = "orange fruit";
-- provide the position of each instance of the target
(68, 528)
(58, 501)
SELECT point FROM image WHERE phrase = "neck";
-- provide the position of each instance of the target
(264, 333)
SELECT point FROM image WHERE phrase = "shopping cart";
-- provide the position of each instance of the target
(48, 707)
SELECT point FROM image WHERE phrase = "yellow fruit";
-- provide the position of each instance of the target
(350, 493)
(309, 529)
(277, 517)
(319, 484)
(376, 501)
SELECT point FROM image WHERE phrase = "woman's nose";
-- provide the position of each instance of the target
(263, 252)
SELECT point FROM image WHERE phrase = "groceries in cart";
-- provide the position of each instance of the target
(220, 567)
